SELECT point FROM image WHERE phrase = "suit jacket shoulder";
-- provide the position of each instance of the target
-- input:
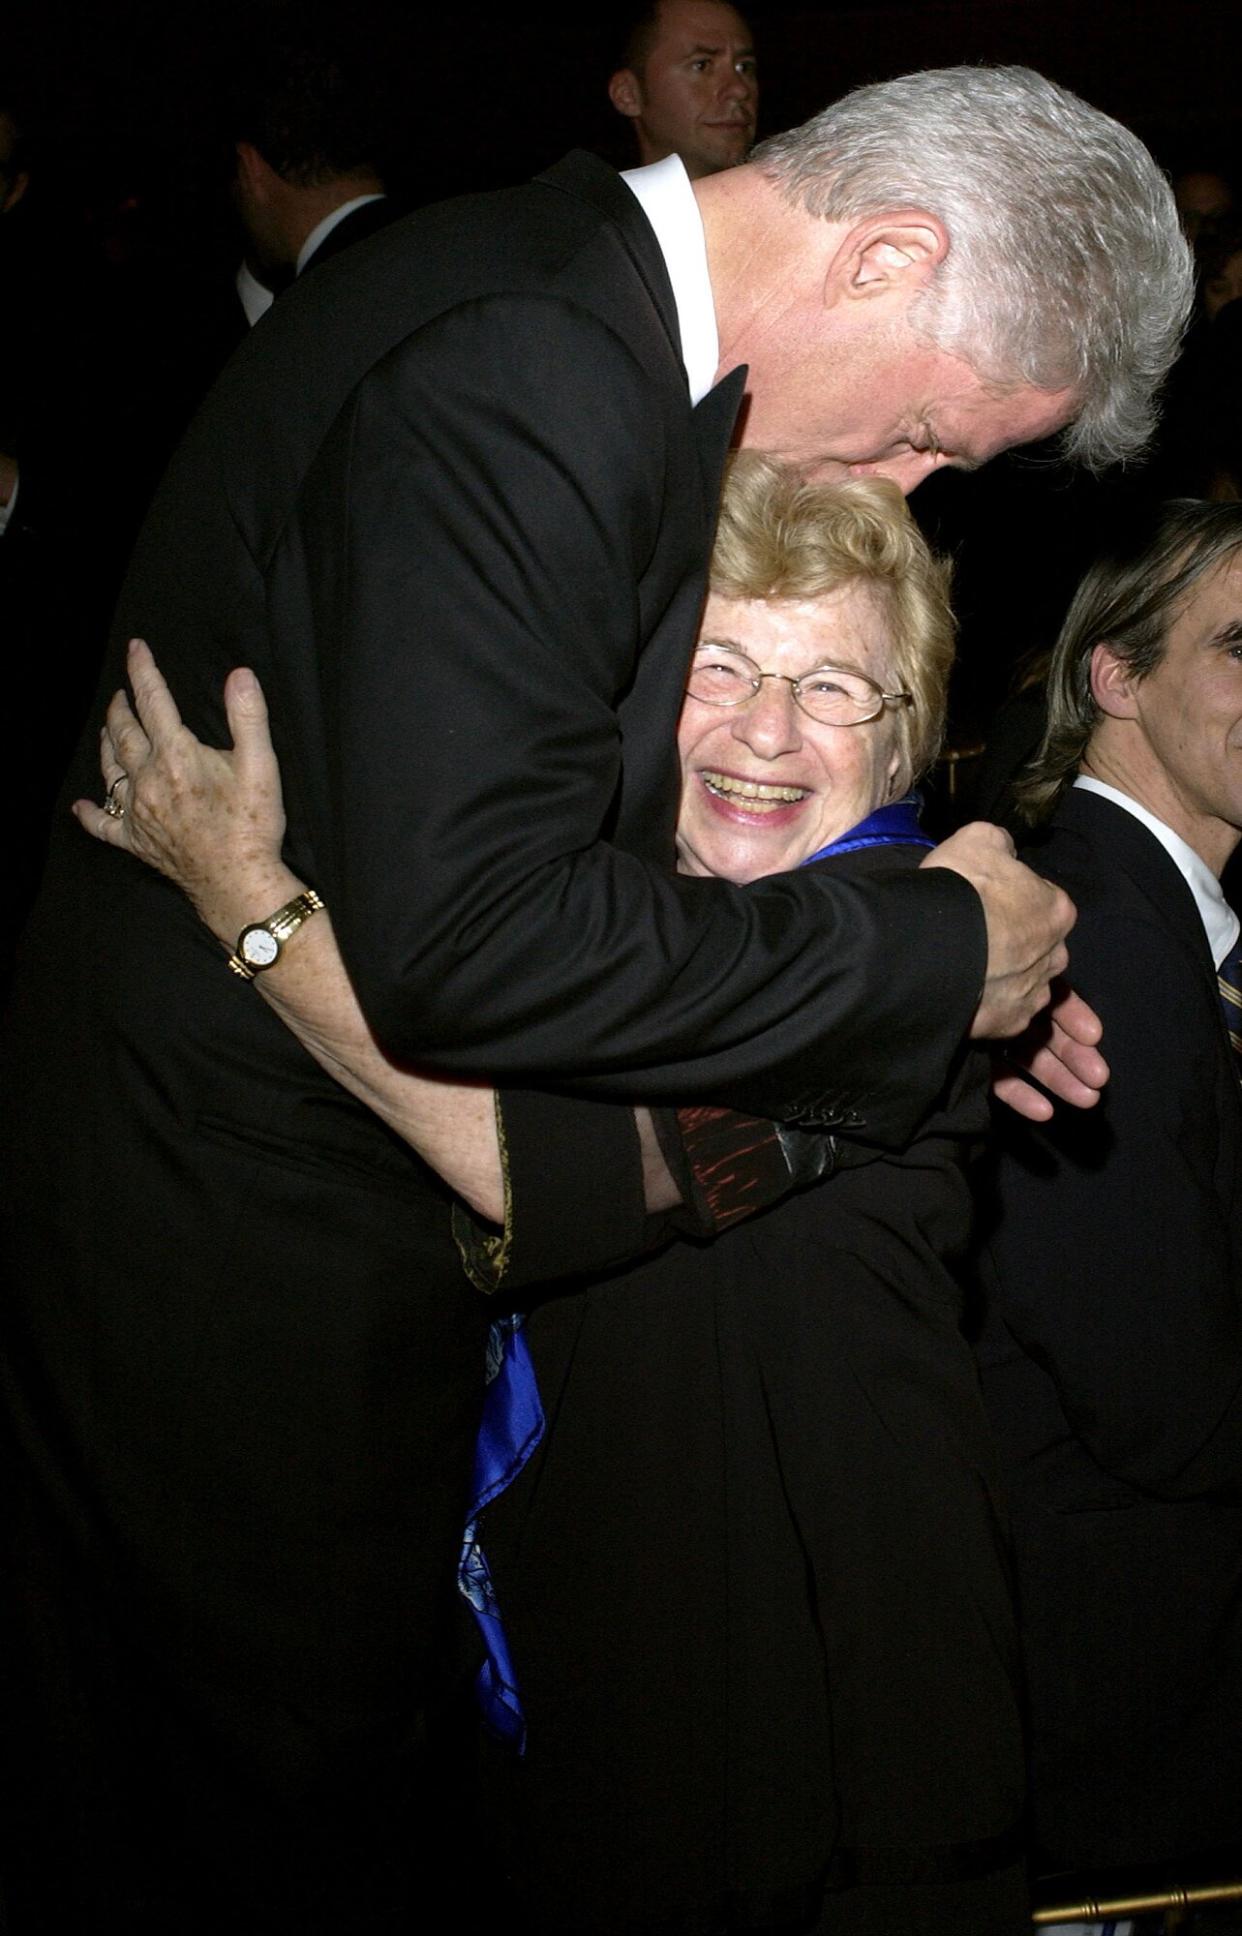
(1114, 1268)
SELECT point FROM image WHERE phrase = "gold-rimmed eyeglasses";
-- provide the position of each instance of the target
(833, 695)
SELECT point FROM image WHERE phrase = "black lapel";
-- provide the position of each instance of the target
(592, 180)
(1131, 847)
(714, 418)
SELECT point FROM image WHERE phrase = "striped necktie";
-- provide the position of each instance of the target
(1229, 981)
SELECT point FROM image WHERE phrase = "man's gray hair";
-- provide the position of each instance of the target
(1066, 264)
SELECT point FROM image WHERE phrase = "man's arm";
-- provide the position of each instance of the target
(500, 481)
(1059, 1048)
(212, 821)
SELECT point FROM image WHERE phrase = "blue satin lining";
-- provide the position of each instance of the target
(511, 1427)
(894, 825)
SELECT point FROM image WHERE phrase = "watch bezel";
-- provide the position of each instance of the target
(249, 936)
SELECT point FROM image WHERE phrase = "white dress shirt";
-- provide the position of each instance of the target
(255, 296)
(664, 193)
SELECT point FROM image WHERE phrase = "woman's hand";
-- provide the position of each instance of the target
(207, 818)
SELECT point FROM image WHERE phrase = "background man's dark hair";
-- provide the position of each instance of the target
(635, 31)
(309, 98)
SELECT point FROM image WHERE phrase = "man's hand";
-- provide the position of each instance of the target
(1027, 922)
(1059, 1050)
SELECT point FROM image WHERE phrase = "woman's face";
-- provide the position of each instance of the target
(762, 786)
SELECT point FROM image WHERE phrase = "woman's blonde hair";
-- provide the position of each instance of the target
(780, 537)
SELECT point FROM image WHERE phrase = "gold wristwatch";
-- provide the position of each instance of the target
(259, 945)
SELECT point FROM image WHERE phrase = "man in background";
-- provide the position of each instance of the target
(687, 84)
(1112, 1357)
(309, 180)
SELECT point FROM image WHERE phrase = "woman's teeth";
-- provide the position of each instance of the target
(752, 794)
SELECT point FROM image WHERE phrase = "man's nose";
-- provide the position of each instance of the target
(739, 85)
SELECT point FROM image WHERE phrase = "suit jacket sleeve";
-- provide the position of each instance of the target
(1115, 1263)
(476, 530)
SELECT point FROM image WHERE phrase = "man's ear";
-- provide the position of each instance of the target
(625, 92)
(254, 173)
(17, 188)
(886, 253)
(1112, 684)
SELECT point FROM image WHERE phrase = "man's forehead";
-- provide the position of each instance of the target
(1211, 611)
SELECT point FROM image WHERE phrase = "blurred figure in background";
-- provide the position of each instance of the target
(306, 133)
(1202, 198)
(54, 593)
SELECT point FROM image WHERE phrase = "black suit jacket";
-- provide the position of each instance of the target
(1112, 1364)
(451, 502)
(472, 593)
(453, 506)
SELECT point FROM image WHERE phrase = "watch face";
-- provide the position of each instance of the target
(258, 948)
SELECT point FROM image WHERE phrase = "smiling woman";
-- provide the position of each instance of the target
(817, 691)
(753, 1576)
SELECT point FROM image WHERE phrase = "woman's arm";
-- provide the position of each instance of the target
(213, 822)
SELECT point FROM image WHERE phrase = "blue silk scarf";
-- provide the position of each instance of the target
(891, 826)
(513, 1423)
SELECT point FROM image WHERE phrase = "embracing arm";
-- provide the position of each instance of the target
(479, 536)
(213, 822)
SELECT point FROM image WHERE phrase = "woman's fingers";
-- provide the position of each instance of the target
(100, 824)
(257, 772)
(134, 734)
(155, 705)
(110, 767)
(246, 710)
(184, 807)
(129, 746)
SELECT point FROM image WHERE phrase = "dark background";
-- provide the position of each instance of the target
(122, 95)
(481, 94)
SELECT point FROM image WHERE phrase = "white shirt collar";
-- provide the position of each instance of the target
(321, 229)
(1219, 919)
(255, 296)
(667, 200)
